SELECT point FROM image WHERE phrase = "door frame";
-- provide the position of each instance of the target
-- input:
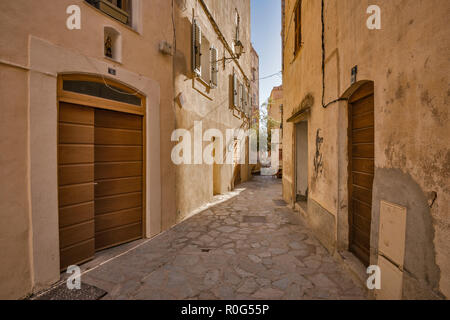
(46, 62)
(304, 117)
(296, 125)
(353, 97)
(106, 104)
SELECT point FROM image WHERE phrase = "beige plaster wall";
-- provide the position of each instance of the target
(35, 46)
(15, 233)
(194, 183)
(406, 62)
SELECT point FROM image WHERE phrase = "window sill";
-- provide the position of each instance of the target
(126, 26)
(113, 60)
(204, 82)
(204, 88)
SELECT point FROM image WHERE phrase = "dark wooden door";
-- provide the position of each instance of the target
(361, 170)
(100, 177)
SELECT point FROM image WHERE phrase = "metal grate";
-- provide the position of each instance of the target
(61, 292)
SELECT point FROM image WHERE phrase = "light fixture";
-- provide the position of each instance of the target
(238, 51)
(238, 48)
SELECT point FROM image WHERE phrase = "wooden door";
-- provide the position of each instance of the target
(361, 170)
(76, 184)
(118, 178)
(100, 177)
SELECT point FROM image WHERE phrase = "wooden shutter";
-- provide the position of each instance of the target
(298, 26)
(214, 67)
(196, 48)
(246, 108)
(241, 96)
(235, 91)
(244, 98)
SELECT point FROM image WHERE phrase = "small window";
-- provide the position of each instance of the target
(196, 48)
(298, 26)
(118, 9)
(204, 57)
(101, 90)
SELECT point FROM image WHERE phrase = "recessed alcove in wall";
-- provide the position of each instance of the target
(112, 44)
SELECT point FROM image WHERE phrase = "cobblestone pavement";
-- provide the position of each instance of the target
(249, 247)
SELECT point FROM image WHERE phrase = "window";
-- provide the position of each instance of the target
(214, 67)
(236, 35)
(118, 9)
(237, 23)
(196, 48)
(205, 60)
(235, 91)
(241, 95)
(100, 90)
(298, 26)
(204, 57)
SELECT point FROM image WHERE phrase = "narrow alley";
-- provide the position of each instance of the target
(250, 247)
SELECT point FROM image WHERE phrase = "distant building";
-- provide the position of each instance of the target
(254, 95)
(275, 118)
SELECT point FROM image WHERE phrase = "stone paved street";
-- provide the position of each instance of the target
(249, 247)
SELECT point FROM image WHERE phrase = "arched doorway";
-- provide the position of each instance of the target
(361, 155)
(101, 166)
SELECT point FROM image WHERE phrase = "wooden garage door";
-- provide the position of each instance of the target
(118, 178)
(100, 163)
(361, 165)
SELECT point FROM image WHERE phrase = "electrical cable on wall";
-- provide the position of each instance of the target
(323, 63)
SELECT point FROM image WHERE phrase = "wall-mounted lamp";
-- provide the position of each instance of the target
(238, 51)
(238, 48)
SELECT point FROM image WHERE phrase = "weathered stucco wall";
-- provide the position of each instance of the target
(20, 22)
(405, 61)
(210, 106)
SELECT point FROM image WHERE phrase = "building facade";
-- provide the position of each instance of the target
(215, 87)
(254, 92)
(92, 92)
(275, 118)
(366, 149)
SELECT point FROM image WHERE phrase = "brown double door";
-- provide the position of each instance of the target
(361, 170)
(100, 177)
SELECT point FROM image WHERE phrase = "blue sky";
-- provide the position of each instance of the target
(266, 39)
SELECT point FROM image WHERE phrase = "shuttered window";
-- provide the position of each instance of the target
(235, 91)
(118, 9)
(214, 67)
(196, 48)
(241, 96)
(245, 101)
(298, 26)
